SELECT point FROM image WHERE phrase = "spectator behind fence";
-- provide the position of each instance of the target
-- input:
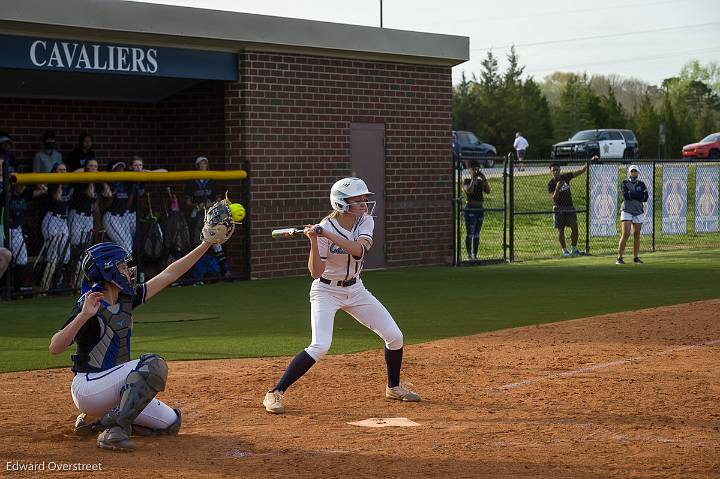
(117, 220)
(632, 212)
(200, 194)
(137, 191)
(564, 213)
(81, 154)
(6, 147)
(5, 259)
(20, 198)
(82, 204)
(55, 230)
(474, 187)
(48, 156)
(520, 145)
(137, 164)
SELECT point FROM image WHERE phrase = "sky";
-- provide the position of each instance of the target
(646, 39)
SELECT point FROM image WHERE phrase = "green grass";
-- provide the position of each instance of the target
(271, 317)
(536, 238)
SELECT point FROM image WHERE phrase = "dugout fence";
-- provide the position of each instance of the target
(519, 215)
(153, 215)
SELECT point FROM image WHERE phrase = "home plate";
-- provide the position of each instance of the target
(385, 422)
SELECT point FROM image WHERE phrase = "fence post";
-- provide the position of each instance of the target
(247, 222)
(654, 206)
(455, 162)
(511, 188)
(4, 216)
(587, 207)
(505, 209)
(138, 250)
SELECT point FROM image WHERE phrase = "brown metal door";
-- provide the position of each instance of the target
(367, 151)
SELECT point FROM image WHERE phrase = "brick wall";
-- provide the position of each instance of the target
(119, 129)
(291, 117)
(190, 124)
(169, 134)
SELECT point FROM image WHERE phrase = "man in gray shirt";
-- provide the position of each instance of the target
(46, 159)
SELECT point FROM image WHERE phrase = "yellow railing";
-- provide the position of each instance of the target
(133, 176)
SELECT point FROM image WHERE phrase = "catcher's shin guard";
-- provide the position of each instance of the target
(142, 384)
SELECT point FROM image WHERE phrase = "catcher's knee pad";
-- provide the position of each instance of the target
(154, 370)
(141, 386)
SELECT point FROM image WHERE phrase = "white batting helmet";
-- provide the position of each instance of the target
(347, 188)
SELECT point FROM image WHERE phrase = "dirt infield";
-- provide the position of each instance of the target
(634, 394)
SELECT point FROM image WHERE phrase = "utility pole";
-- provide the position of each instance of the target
(381, 19)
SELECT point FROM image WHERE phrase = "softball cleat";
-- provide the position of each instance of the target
(273, 402)
(401, 393)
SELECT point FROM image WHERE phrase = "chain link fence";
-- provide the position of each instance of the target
(480, 232)
(47, 229)
(535, 218)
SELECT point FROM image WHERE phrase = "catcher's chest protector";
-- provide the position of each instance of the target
(113, 348)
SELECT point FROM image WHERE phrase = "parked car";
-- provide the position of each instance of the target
(467, 147)
(605, 143)
(708, 147)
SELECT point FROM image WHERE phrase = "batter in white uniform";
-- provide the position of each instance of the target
(337, 251)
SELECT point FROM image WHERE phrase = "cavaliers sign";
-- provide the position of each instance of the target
(80, 56)
(94, 57)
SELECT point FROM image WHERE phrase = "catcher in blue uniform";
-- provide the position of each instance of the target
(108, 384)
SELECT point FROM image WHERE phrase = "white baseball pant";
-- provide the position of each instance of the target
(80, 226)
(358, 302)
(119, 229)
(97, 393)
(55, 232)
(17, 246)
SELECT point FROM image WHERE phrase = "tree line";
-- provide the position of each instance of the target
(495, 104)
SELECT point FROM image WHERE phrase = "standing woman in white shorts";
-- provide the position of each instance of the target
(635, 193)
(338, 246)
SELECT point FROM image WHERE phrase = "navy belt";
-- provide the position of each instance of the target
(344, 284)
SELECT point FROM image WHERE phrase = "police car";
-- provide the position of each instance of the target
(606, 143)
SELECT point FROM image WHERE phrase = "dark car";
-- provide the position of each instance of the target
(606, 143)
(708, 147)
(467, 147)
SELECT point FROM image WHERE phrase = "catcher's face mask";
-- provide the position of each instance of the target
(129, 273)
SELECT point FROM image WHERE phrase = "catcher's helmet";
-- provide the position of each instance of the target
(348, 188)
(101, 263)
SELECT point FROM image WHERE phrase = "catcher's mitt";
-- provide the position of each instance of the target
(219, 225)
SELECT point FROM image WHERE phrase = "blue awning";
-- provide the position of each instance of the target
(49, 55)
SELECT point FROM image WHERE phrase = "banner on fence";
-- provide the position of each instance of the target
(646, 176)
(706, 199)
(674, 210)
(603, 200)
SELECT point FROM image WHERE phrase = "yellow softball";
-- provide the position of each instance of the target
(238, 212)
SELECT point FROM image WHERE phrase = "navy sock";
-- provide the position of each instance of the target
(476, 242)
(393, 359)
(297, 367)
